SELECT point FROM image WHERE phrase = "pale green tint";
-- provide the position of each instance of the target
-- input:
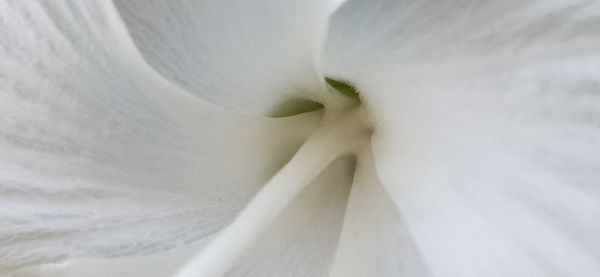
(295, 106)
(343, 88)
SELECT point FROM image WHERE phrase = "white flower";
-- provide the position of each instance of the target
(134, 141)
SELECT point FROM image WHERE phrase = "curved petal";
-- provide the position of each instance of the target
(100, 156)
(246, 55)
(367, 39)
(303, 240)
(374, 240)
(488, 127)
(314, 219)
(157, 265)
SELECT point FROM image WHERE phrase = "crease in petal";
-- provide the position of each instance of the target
(374, 240)
(303, 240)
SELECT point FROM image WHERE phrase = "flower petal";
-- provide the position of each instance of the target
(157, 265)
(374, 239)
(303, 240)
(488, 128)
(100, 156)
(301, 243)
(245, 55)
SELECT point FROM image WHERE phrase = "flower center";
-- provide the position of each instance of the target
(342, 131)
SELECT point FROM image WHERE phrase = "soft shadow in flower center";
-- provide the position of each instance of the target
(342, 131)
(295, 106)
(344, 88)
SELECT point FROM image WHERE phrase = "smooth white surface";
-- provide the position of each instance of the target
(339, 135)
(374, 239)
(100, 156)
(314, 218)
(303, 239)
(247, 55)
(157, 265)
(488, 128)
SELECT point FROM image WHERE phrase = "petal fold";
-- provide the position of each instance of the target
(374, 240)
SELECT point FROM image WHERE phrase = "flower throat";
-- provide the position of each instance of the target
(342, 131)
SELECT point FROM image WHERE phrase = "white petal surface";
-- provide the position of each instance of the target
(100, 156)
(374, 239)
(157, 265)
(488, 128)
(303, 240)
(250, 55)
(301, 243)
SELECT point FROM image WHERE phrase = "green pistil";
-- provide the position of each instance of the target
(343, 88)
(295, 106)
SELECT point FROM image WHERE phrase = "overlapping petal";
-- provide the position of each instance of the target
(247, 55)
(155, 265)
(486, 119)
(488, 128)
(303, 240)
(102, 157)
(374, 240)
